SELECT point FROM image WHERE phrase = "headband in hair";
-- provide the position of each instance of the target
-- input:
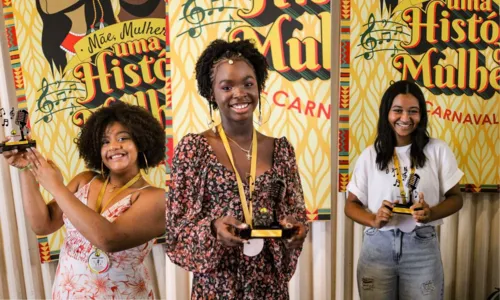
(229, 57)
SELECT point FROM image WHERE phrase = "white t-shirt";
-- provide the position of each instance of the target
(439, 174)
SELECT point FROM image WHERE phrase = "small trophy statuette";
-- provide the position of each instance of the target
(263, 218)
(23, 143)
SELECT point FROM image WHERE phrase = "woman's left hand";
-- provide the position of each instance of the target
(299, 235)
(421, 211)
(45, 171)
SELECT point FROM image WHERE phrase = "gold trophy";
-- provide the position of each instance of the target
(23, 143)
(404, 208)
(265, 225)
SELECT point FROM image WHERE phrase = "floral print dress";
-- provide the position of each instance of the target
(127, 277)
(204, 190)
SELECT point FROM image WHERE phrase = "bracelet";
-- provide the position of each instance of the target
(28, 167)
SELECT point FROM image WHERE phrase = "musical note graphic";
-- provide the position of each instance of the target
(12, 113)
(60, 96)
(194, 16)
(395, 51)
(54, 94)
(5, 122)
(386, 37)
(2, 110)
(197, 16)
(72, 88)
(399, 30)
(231, 22)
(219, 8)
(367, 41)
(378, 33)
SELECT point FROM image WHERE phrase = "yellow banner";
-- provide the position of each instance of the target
(451, 50)
(70, 60)
(295, 38)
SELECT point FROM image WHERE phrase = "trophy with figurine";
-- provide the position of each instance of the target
(24, 143)
(265, 224)
(404, 208)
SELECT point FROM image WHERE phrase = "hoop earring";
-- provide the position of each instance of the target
(211, 124)
(102, 170)
(259, 120)
(146, 161)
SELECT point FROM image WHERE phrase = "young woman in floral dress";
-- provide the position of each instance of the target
(111, 216)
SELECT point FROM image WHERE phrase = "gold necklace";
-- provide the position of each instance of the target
(113, 187)
(249, 156)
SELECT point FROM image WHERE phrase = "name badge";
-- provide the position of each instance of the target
(98, 261)
(254, 247)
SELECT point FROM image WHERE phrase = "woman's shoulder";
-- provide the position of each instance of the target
(436, 146)
(369, 152)
(81, 179)
(281, 142)
(192, 142)
(192, 138)
(152, 192)
(264, 139)
(434, 142)
(439, 150)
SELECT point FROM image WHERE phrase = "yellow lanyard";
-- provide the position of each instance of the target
(101, 193)
(247, 209)
(400, 179)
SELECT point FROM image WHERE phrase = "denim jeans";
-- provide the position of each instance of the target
(400, 265)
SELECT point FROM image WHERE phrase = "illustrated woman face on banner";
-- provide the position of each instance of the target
(66, 22)
(136, 9)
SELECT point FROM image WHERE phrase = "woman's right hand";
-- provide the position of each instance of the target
(224, 230)
(383, 215)
(15, 157)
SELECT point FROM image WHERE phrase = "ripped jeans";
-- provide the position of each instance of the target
(400, 265)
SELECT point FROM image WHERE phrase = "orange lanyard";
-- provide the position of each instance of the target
(399, 177)
(247, 209)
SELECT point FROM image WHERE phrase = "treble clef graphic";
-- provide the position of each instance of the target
(45, 105)
(367, 41)
(194, 16)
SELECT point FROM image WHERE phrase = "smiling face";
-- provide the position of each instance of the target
(404, 117)
(118, 151)
(235, 90)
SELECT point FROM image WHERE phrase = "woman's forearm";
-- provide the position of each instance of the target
(90, 224)
(36, 210)
(446, 208)
(357, 212)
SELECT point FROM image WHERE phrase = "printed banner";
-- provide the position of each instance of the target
(70, 58)
(450, 48)
(295, 38)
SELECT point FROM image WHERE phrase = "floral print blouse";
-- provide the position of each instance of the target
(204, 190)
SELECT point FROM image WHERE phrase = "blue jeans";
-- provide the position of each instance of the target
(399, 265)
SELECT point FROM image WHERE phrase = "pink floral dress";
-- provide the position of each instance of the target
(127, 277)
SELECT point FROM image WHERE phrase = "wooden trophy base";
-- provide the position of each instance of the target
(19, 145)
(262, 232)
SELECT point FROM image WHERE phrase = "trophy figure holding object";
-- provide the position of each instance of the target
(404, 207)
(265, 224)
(23, 143)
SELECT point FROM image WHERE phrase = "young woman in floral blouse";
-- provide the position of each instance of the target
(206, 205)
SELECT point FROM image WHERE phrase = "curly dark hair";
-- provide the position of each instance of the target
(221, 49)
(386, 137)
(147, 134)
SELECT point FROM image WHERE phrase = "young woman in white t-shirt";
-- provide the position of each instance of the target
(400, 257)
